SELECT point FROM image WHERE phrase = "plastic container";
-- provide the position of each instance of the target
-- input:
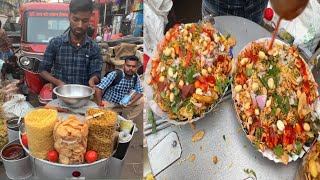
(19, 166)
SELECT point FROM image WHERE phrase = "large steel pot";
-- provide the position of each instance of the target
(43, 169)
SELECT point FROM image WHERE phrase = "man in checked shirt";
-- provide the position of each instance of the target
(73, 58)
(115, 91)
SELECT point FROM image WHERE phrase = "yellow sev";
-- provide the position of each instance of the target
(39, 126)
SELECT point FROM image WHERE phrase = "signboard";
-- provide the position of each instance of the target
(137, 5)
(115, 5)
(47, 14)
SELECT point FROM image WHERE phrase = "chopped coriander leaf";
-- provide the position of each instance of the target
(298, 147)
(278, 150)
(249, 71)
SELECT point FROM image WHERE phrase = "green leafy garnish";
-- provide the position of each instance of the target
(258, 133)
(176, 91)
(174, 108)
(249, 71)
(221, 85)
(163, 95)
(278, 150)
(152, 121)
(165, 57)
(286, 107)
(250, 172)
(299, 147)
(189, 74)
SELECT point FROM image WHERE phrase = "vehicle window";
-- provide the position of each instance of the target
(42, 29)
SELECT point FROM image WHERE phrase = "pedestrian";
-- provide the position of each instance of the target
(249, 9)
(107, 34)
(5, 44)
(73, 58)
(119, 83)
(11, 70)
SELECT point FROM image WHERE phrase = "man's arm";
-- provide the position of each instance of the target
(98, 95)
(135, 98)
(47, 64)
(93, 81)
(47, 76)
(95, 66)
(104, 84)
(139, 91)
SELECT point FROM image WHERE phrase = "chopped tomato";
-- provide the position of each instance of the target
(220, 58)
(273, 136)
(204, 87)
(211, 79)
(306, 87)
(181, 54)
(202, 79)
(251, 56)
(288, 136)
(241, 79)
(193, 28)
(197, 84)
(176, 26)
(298, 128)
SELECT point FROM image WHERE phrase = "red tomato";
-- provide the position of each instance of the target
(204, 87)
(91, 156)
(24, 140)
(268, 14)
(211, 79)
(53, 156)
(288, 135)
(241, 78)
(197, 84)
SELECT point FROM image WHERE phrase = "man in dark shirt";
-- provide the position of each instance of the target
(73, 58)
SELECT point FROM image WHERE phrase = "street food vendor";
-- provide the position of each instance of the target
(5, 44)
(73, 58)
(119, 83)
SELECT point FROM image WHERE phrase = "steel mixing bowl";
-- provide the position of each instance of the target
(73, 95)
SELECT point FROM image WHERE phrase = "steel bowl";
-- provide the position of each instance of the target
(73, 95)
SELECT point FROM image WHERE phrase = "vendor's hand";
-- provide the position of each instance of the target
(91, 83)
(60, 83)
(127, 105)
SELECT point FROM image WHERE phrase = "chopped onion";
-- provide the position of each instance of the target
(196, 75)
(253, 97)
(261, 101)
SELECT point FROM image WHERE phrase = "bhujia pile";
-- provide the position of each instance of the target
(101, 132)
(39, 126)
(70, 140)
(3, 129)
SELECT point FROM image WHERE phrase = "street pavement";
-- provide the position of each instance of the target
(132, 165)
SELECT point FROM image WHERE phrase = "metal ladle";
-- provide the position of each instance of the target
(20, 117)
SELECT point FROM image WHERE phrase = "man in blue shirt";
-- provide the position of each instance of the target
(73, 58)
(116, 91)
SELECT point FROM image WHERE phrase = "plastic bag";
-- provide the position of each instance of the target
(304, 28)
(17, 106)
(155, 20)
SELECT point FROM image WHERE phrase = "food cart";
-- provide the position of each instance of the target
(43, 169)
(224, 152)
